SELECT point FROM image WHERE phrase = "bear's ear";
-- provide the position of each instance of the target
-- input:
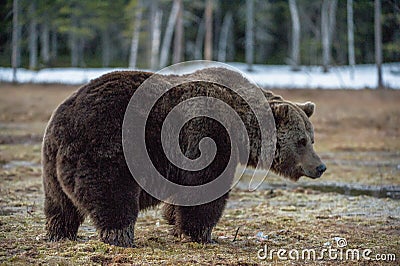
(280, 112)
(307, 107)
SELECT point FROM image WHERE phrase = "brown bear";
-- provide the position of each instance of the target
(85, 172)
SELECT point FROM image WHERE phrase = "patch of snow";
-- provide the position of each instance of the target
(312, 77)
(267, 76)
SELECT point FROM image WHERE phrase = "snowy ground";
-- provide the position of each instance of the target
(268, 76)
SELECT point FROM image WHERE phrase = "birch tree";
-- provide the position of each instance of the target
(231, 49)
(166, 44)
(332, 19)
(135, 36)
(45, 42)
(208, 47)
(350, 37)
(155, 32)
(249, 34)
(33, 36)
(156, 36)
(295, 47)
(378, 42)
(73, 39)
(15, 40)
(328, 20)
(105, 47)
(199, 40)
(178, 41)
(223, 37)
(325, 35)
(156, 17)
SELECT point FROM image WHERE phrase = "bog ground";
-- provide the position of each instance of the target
(357, 135)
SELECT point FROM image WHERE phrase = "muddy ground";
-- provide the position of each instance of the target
(357, 199)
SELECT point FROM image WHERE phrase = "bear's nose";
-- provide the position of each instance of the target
(321, 168)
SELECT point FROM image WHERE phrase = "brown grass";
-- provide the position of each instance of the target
(357, 134)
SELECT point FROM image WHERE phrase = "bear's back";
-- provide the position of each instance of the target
(91, 118)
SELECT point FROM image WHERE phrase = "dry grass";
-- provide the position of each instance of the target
(357, 133)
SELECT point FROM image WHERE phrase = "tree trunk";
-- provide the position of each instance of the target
(155, 44)
(350, 37)
(249, 34)
(54, 45)
(332, 19)
(208, 26)
(295, 54)
(217, 24)
(230, 50)
(74, 50)
(105, 44)
(74, 43)
(45, 43)
(15, 40)
(328, 19)
(223, 37)
(152, 28)
(325, 35)
(199, 40)
(178, 40)
(33, 36)
(166, 44)
(135, 36)
(378, 42)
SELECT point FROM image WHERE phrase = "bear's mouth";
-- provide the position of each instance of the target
(297, 172)
(312, 175)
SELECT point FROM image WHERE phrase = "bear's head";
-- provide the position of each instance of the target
(295, 155)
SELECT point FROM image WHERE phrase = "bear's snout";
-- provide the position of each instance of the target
(321, 169)
(314, 171)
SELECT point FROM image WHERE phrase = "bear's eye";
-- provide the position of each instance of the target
(303, 142)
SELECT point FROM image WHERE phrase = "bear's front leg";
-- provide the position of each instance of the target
(169, 213)
(197, 222)
(116, 224)
(123, 237)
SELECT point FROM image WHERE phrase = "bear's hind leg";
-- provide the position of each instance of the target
(113, 206)
(62, 219)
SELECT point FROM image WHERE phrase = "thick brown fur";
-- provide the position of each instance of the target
(85, 173)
